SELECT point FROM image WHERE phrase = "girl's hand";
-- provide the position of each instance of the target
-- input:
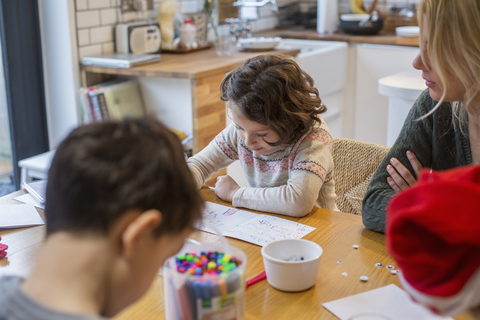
(400, 178)
(225, 188)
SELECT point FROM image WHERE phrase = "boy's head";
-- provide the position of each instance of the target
(126, 182)
(274, 91)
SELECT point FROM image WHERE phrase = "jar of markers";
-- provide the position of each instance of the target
(205, 282)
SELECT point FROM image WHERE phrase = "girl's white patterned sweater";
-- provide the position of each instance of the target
(290, 180)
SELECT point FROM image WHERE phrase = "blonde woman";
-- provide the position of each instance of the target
(442, 130)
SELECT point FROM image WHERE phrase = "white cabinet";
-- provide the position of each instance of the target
(402, 89)
(370, 109)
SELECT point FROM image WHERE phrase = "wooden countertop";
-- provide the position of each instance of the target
(384, 37)
(194, 65)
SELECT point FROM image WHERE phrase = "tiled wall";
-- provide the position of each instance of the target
(383, 6)
(95, 20)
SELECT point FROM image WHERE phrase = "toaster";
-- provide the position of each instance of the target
(138, 37)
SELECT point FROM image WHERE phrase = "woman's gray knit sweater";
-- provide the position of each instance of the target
(440, 141)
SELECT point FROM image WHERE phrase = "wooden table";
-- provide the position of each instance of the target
(335, 231)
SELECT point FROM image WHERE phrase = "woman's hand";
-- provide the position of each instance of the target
(225, 188)
(400, 178)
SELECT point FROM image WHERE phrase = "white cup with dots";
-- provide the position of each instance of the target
(292, 264)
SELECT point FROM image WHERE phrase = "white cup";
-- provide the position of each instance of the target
(292, 264)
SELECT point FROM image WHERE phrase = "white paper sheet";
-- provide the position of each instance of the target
(389, 302)
(19, 216)
(255, 228)
(27, 198)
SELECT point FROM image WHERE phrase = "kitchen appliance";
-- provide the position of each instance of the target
(361, 24)
(138, 37)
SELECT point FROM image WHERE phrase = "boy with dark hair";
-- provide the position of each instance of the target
(120, 200)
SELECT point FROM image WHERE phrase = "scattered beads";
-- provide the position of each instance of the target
(394, 272)
(206, 263)
(355, 246)
(364, 278)
(340, 261)
(378, 264)
(390, 267)
(344, 274)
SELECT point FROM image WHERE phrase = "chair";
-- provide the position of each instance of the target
(354, 165)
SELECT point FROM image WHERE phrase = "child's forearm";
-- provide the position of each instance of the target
(293, 199)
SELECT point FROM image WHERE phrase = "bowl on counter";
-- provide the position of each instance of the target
(258, 43)
(408, 31)
(360, 24)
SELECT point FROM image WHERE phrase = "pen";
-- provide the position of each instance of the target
(259, 277)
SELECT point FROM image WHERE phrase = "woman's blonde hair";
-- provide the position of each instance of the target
(453, 44)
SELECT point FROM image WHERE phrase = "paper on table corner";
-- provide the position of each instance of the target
(388, 302)
(27, 198)
(19, 216)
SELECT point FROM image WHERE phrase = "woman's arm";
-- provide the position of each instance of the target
(220, 152)
(416, 137)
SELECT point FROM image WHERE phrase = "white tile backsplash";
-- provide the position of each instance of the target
(108, 16)
(90, 51)
(81, 5)
(127, 16)
(383, 6)
(88, 19)
(98, 4)
(83, 37)
(108, 48)
(101, 34)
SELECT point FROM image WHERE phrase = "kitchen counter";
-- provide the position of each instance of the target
(384, 37)
(195, 95)
(194, 65)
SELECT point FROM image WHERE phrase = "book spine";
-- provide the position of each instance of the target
(88, 107)
(103, 106)
(95, 106)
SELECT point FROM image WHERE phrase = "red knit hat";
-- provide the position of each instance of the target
(433, 233)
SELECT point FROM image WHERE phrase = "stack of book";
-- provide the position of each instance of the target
(112, 100)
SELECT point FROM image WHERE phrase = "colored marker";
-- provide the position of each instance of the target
(257, 278)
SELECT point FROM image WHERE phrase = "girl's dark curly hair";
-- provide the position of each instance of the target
(275, 92)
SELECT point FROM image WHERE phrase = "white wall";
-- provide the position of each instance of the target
(60, 67)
